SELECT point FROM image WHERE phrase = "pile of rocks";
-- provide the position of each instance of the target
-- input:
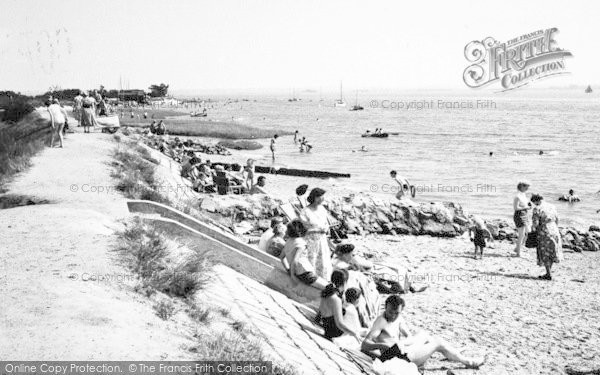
(209, 149)
(244, 214)
(581, 241)
(362, 214)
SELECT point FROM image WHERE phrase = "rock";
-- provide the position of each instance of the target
(461, 220)
(591, 245)
(264, 224)
(243, 227)
(208, 204)
(494, 229)
(433, 228)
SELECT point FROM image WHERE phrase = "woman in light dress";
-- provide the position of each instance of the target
(88, 115)
(549, 241)
(521, 206)
(314, 218)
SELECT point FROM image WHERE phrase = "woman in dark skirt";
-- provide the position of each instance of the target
(549, 242)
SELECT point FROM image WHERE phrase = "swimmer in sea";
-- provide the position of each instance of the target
(296, 134)
(571, 197)
(541, 152)
(491, 153)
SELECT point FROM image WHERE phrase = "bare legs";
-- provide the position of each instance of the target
(522, 231)
(480, 252)
(422, 347)
(58, 130)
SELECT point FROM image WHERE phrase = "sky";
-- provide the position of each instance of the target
(278, 44)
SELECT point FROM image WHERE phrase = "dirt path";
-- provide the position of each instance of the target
(61, 291)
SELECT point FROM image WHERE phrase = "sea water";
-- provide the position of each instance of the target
(443, 144)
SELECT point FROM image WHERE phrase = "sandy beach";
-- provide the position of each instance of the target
(497, 305)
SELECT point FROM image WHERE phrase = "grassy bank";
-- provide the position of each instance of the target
(181, 124)
(134, 170)
(19, 142)
(201, 128)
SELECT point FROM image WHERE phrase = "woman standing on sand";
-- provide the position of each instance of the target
(314, 218)
(521, 216)
(549, 242)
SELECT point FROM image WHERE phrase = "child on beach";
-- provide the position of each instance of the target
(480, 231)
(351, 316)
(272, 147)
(277, 242)
(248, 174)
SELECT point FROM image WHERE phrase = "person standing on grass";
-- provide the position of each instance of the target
(58, 117)
(273, 145)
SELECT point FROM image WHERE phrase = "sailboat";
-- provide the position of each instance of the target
(588, 90)
(340, 102)
(293, 99)
(356, 107)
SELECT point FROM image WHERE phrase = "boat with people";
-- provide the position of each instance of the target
(375, 135)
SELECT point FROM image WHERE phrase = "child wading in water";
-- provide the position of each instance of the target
(480, 233)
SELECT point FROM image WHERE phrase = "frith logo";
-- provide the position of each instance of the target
(515, 63)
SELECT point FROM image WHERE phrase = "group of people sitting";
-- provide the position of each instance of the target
(206, 176)
(348, 307)
(158, 129)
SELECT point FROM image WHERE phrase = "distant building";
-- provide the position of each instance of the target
(133, 95)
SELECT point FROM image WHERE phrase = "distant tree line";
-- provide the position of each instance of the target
(14, 105)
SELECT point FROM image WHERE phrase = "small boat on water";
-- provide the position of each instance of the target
(375, 135)
(357, 107)
(588, 90)
(340, 102)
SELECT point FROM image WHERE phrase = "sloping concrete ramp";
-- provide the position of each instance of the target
(224, 248)
(253, 286)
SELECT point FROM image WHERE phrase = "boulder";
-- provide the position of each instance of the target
(401, 228)
(436, 229)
